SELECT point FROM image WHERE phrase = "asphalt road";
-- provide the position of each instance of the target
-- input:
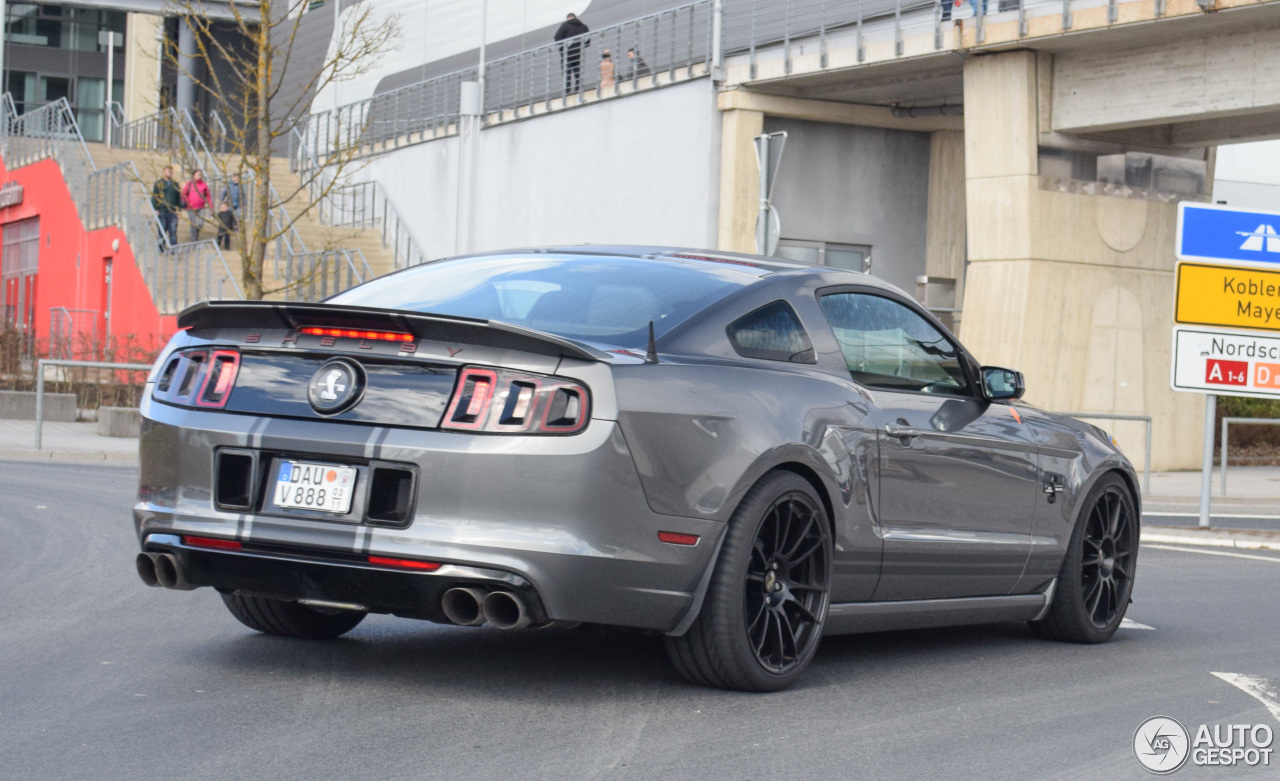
(103, 678)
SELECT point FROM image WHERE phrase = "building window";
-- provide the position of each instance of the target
(58, 27)
(19, 262)
(853, 257)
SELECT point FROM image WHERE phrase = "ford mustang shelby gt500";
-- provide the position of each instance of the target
(740, 453)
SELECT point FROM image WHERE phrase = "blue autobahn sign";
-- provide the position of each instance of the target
(1208, 232)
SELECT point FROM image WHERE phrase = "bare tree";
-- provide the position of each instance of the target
(242, 64)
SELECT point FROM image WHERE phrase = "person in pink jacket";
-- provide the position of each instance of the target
(195, 196)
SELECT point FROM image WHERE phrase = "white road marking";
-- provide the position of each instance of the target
(1128, 623)
(1274, 559)
(1211, 542)
(1153, 513)
(1257, 688)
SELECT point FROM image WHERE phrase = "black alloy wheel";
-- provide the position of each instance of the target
(762, 618)
(1097, 575)
(786, 583)
(1108, 557)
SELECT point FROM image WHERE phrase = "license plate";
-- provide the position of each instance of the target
(309, 486)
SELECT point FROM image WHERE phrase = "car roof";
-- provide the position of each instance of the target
(755, 265)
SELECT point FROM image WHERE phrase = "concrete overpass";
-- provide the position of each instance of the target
(1062, 136)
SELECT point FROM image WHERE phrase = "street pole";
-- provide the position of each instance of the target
(762, 219)
(476, 123)
(1206, 467)
(111, 80)
(337, 27)
(4, 24)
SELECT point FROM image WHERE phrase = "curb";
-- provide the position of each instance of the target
(1212, 538)
(71, 457)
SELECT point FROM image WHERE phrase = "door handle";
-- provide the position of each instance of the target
(904, 433)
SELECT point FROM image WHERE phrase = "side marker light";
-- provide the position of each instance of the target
(676, 538)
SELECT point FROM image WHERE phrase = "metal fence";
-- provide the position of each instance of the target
(428, 107)
(65, 325)
(651, 50)
(43, 362)
(1226, 422)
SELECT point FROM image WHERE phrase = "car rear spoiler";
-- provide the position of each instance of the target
(442, 328)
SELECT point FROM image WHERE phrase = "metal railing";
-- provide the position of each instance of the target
(429, 107)
(668, 46)
(1223, 440)
(751, 26)
(314, 276)
(355, 205)
(62, 330)
(43, 362)
(177, 276)
(1146, 461)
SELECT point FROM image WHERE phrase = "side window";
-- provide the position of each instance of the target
(772, 332)
(889, 346)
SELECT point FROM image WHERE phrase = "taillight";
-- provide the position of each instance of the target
(224, 365)
(201, 378)
(498, 401)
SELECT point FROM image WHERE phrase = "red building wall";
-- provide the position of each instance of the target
(73, 266)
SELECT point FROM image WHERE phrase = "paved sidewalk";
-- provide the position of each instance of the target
(69, 442)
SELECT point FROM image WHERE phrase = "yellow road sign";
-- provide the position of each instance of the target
(1227, 296)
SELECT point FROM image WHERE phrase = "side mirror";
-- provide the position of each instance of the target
(1000, 384)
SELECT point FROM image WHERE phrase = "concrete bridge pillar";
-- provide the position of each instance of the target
(1075, 290)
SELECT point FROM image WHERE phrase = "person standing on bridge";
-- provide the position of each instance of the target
(166, 200)
(571, 52)
(637, 68)
(607, 70)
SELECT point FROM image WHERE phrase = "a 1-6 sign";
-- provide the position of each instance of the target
(1226, 362)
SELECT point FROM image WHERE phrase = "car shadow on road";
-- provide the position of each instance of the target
(446, 660)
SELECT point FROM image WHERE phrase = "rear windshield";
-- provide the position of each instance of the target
(608, 300)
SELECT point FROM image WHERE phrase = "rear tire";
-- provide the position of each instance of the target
(290, 619)
(1096, 579)
(764, 611)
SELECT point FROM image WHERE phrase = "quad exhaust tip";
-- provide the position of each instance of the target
(146, 564)
(505, 610)
(463, 606)
(169, 572)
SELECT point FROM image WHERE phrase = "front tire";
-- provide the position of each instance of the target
(1096, 579)
(290, 619)
(764, 611)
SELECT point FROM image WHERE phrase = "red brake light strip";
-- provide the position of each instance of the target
(351, 333)
(383, 561)
(211, 542)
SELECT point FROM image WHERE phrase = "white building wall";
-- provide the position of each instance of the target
(643, 169)
(1247, 176)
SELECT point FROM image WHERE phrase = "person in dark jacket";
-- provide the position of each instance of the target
(167, 201)
(637, 68)
(227, 224)
(571, 52)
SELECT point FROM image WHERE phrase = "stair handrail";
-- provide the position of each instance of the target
(304, 161)
(114, 196)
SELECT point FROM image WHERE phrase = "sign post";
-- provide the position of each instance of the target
(1226, 312)
(769, 157)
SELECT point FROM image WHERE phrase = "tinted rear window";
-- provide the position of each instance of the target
(608, 300)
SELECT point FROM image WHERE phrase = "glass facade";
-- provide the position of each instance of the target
(82, 79)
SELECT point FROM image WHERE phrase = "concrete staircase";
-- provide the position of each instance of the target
(314, 236)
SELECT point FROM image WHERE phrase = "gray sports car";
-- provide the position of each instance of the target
(740, 453)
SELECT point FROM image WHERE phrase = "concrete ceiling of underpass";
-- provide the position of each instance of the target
(928, 81)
